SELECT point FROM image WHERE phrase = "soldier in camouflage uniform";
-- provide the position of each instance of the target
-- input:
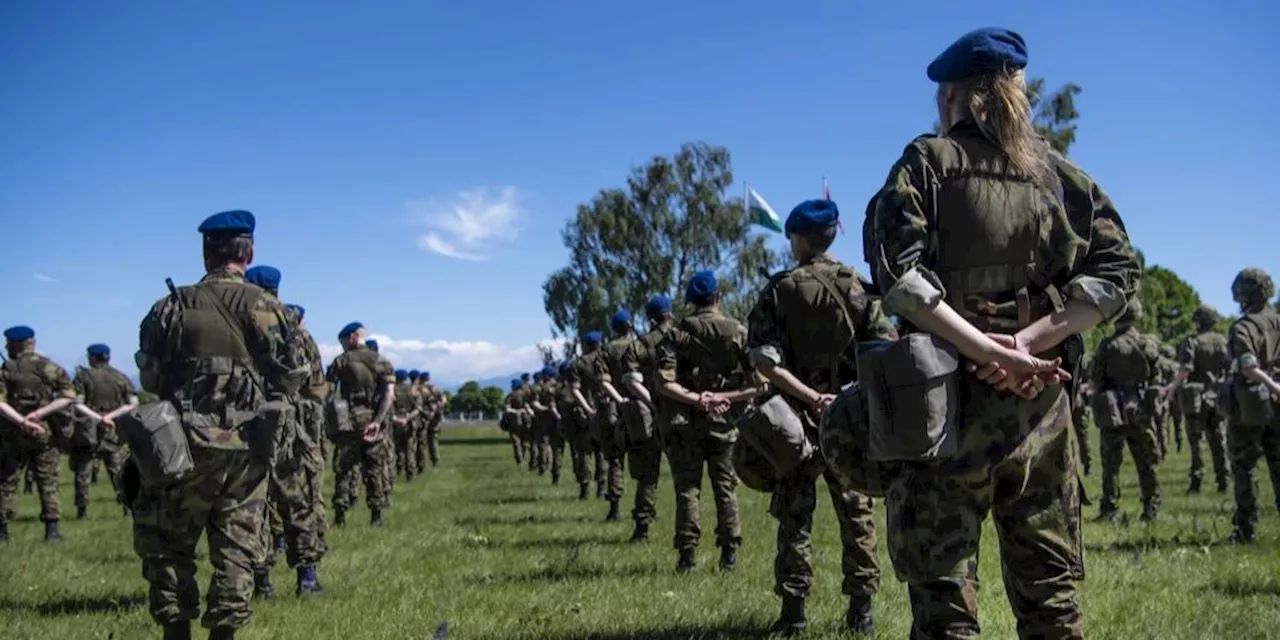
(575, 429)
(1165, 370)
(292, 521)
(105, 394)
(803, 335)
(435, 415)
(404, 421)
(388, 470)
(539, 447)
(547, 419)
(1205, 363)
(614, 407)
(650, 418)
(1254, 432)
(367, 382)
(311, 438)
(703, 366)
(1173, 410)
(32, 387)
(217, 350)
(985, 229)
(567, 424)
(585, 385)
(513, 419)
(1081, 414)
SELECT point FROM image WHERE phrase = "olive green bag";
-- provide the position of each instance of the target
(1254, 406)
(912, 389)
(158, 443)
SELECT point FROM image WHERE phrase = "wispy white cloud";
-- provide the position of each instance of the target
(43, 278)
(451, 361)
(465, 227)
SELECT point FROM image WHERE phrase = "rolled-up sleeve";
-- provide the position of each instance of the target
(1107, 275)
(900, 242)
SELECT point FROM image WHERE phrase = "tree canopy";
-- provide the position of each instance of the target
(471, 397)
(671, 220)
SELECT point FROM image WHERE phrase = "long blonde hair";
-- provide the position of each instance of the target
(998, 104)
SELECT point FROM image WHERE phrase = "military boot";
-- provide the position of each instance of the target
(1106, 515)
(641, 533)
(4, 531)
(82, 512)
(792, 621)
(688, 561)
(339, 517)
(584, 492)
(281, 547)
(308, 581)
(1150, 512)
(728, 558)
(1195, 486)
(262, 588)
(859, 617)
(1241, 536)
(51, 532)
(615, 514)
(375, 520)
(1222, 486)
(180, 630)
(555, 477)
(600, 490)
(222, 633)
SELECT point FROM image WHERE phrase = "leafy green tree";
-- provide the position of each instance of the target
(470, 398)
(1168, 302)
(672, 219)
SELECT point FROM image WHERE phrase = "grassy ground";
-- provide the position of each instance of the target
(500, 553)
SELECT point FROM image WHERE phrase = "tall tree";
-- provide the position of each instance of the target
(671, 220)
(1055, 114)
(548, 354)
(471, 397)
(1168, 302)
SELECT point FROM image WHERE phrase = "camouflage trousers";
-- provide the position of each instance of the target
(291, 510)
(935, 513)
(1080, 421)
(406, 445)
(608, 430)
(794, 501)
(224, 496)
(42, 459)
(433, 440)
(82, 464)
(1140, 436)
(1207, 425)
(540, 442)
(588, 460)
(1177, 420)
(555, 447)
(690, 450)
(517, 443)
(355, 459)
(1248, 445)
(644, 458)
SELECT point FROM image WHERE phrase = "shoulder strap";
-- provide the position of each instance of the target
(841, 299)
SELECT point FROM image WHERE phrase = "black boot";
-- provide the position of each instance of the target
(1222, 486)
(792, 621)
(339, 517)
(82, 512)
(308, 581)
(376, 519)
(262, 588)
(1195, 486)
(687, 561)
(614, 513)
(1150, 513)
(51, 532)
(4, 531)
(641, 534)
(177, 631)
(728, 558)
(584, 492)
(859, 617)
(600, 490)
(555, 477)
(222, 633)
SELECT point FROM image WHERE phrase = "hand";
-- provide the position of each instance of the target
(1166, 393)
(1014, 369)
(108, 422)
(820, 403)
(713, 403)
(371, 431)
(34, 428)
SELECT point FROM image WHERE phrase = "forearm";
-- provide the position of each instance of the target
(782, 378)
(638, 390)
(612, 391)
(88, 413)
(582, 401)
(741, 395)
(52, 407)
(388, 397)
(943, 321)
(12, 414)
(679, 393)
(1048, 332)
(122, 409)
(1256, 374)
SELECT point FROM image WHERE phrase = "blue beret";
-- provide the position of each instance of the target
(372, 344)
(349, 329)
(234, 222)
(19, 333)
(702, 286)
(592, 337)
(657, 305)
(977, 52)
(621, 318)
(401, 374)
(263, 276)
(548, 371)
(425, 375)
(524, 376)
(812, 215)
(414, 374)
(515, 383)
(298, 309)
(564, 366)
(99, 350)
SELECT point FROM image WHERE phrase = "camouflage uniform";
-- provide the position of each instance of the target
(1006, 255)
(1165, 370)
(798, 324)
(549, 424)
(408, 400)
(435, 400)
(539, 449)
(514, 419)
(640, 363)
(1207, 359)
(29, 381)
(705, 351)
(1254, 432)
(1173, 410)
(611, 417)
(588, 454)
(360, 375)
(311, 437)
(103, 388)
(1081, 415)
(192, 355)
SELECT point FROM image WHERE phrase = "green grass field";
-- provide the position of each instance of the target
(499, 552)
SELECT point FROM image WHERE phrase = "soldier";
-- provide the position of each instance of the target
(537, 437)
(434, 417)
(513, 418)
(105, 394)
(1081, 414)
(1124, 368)
(703, 366)
(803, 335)
(585, 385)
(32, 387)
(547, 415)
(367, 382)
(526, 420)
(615, 407)
(217, 350)
(404, 420)
(311, 438)
(1032, 247)
(418, 428)
(566, 425)
(649, 418)
(1165, 370)
(1205, 364)
(1254, 433)
(1173, 409)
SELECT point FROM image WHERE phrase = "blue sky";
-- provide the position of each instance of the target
(370, 138)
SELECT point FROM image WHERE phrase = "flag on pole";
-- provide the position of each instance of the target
(761, 213)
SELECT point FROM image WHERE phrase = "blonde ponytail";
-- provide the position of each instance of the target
(998, 103)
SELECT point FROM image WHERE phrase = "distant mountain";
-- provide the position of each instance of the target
(501, 382)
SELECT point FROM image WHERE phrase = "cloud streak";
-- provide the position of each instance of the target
(43, 278)
(455, 361)
(468, 225)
